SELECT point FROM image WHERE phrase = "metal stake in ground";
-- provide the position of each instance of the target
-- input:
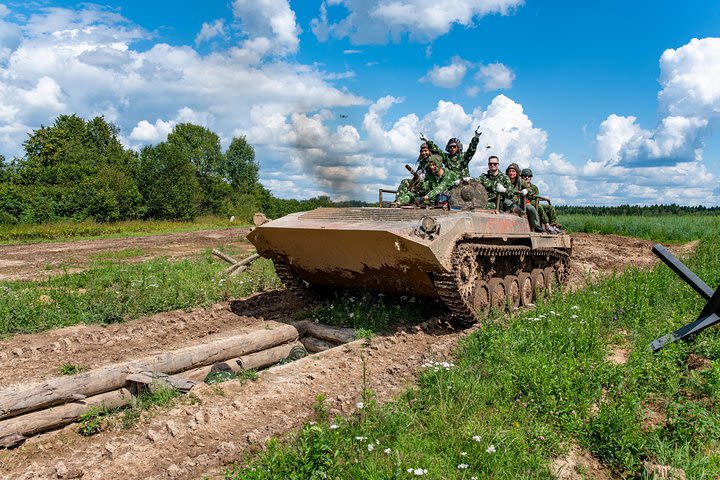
(710, 314)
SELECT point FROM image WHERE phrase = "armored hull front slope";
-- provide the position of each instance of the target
(471, 259)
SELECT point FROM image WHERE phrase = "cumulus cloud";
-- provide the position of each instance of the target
(689, 102)
(208, 31)
(660, 160)
(380, 21)
(449, 76)
(495, 76)
(270, 26)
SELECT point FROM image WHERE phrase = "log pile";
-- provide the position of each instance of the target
(33, 408)
(29, 409)
(235, 266)
(317, 337)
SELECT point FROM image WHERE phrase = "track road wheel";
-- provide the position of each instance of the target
(526, 289)
(549, 280)
(498, 293)
(512, 290)
(537, 277)
(481, 302)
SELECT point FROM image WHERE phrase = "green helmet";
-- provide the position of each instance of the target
(526, 172)
(436, 159)
(513, 166)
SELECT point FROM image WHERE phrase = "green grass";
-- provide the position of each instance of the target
(122, 254)
(67, 230)
(662, 228)
(72, 369)
(97, 419)
(371, 314)
(519, 395)
(110, 292)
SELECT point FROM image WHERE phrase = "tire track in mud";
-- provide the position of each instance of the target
(189, 441)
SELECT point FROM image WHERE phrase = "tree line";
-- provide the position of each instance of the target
(78, 169)
(637, 210)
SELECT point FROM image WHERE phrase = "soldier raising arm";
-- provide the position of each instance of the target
(455, 159)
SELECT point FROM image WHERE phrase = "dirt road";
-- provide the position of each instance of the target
(189, 441)
(38, 261)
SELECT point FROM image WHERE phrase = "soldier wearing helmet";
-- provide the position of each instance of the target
(409, 187)
(454, 157)
(548, 217)
(518, 195)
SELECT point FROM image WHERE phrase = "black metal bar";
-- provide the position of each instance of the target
(683, 272)
(710, 314)
(690, 329)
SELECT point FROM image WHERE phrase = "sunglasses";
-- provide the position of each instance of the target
(493, 163)
(526, 176)
(453, 146)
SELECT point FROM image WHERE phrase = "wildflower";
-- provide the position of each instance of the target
(473, 478)
(388, 451)
(463, 466)
(491, 449)
(463, 454)
(334, 426)
(573, 316)
(574, 307)
(352, 314)
(371, 447)
(476, 438)
(360, 405)
(360, 439)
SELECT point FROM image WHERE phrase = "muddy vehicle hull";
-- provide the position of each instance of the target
(405, 250)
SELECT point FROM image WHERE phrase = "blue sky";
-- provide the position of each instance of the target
(608, 102)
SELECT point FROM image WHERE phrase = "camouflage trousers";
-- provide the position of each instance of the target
(508, 205)
(404, 196)
(547, 214)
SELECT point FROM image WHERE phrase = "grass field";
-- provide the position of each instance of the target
(61, 231)
(663, 228)
(518, 396)
(111, 292)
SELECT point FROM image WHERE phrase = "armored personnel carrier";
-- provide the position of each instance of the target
(472, 258)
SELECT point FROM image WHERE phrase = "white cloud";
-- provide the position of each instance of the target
(380, 21)
(351, 51)
(690, 103)
(449, 76)
(270, 24)
(210, 31)
(495, 76)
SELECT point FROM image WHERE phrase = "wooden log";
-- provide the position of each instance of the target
(14, 430)
(224, 256)
(20, 399)
(315, 345)
(153, 378)
(335, 335)
(241, 265)
(253, 361)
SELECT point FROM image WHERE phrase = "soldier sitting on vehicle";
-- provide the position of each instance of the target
(410, 187)
(455, 159)
(517, 195)
(437, 181)
(548, 217)
(497, 184)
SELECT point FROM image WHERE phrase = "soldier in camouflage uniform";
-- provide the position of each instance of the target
(405, 195)
(497, 184)
(438, 180)
(548, 217)
(455, 159)
(518, 191)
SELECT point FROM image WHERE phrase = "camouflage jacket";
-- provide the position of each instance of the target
(517, 186)
(534, 191)
(434, 185)
(459, 162)
(490, 183)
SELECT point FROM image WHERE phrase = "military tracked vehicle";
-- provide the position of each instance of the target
(471, 258)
